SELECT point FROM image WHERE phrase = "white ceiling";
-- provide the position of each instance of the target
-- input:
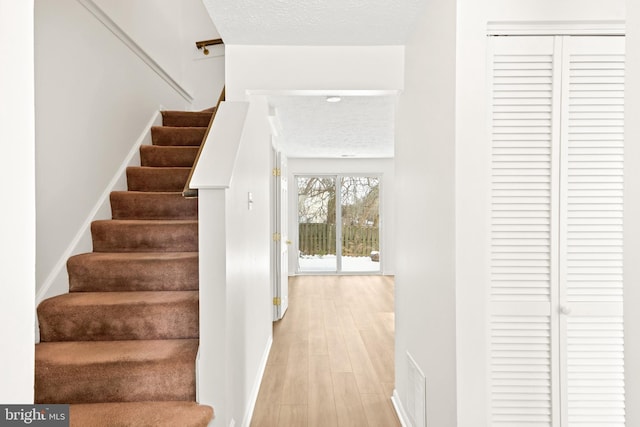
(358, 126)
(314, 22)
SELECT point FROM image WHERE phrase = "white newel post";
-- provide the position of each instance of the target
(212, 368)
(212, 178)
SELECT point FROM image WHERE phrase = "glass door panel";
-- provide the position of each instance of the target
(360, 221)
(317, 224)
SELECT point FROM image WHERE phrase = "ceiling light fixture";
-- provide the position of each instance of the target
(333, 99)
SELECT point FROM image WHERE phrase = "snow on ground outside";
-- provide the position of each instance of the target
(316, 263)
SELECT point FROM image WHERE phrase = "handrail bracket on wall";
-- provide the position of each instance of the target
(204, 43)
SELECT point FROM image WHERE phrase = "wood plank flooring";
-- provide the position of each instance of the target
(332, 359)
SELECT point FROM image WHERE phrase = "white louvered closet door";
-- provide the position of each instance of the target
(591, 293)
(524, 216)
(556, 232)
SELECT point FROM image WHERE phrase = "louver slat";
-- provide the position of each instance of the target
(592, 219)
(520, 370)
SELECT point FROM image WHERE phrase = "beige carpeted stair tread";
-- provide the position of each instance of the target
(177, 135)
(115, 371)
(102, 316)
(168, 179)
(167, 156)
(140, 414)
(124, 235)
(186, 118)
(152, 205)
(99, 347)
(133, 271)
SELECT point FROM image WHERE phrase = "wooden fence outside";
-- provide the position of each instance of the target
(320, 239)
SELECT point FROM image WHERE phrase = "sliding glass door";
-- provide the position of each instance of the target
(338, 224)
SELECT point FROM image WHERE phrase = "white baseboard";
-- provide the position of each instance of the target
(251, 404)
(402, 414)
(57, 279)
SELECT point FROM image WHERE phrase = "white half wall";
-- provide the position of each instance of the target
(235, 282)
(18, 215)
(249, 295)
(382, 167)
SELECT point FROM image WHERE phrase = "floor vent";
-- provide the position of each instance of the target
(416, 394)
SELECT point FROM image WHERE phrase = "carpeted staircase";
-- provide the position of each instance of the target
(121, 346)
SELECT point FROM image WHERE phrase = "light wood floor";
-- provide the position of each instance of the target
(332, 359)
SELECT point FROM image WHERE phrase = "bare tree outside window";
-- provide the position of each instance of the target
(360, 215)
(317, 200)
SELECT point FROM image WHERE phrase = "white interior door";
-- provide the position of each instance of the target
(556, 324)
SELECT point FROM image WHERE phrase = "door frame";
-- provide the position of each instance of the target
(280, 235)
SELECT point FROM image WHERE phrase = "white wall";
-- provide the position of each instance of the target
(472, 165)
(445, 294)
(549, 10)
(94, 96)
(17, 217)
(160, 35)
(167, 30)
(384, 167)
(425, 214)
(203, 74)
(249, 290)
(314, 68)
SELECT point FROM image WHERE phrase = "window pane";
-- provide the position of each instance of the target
(316, 224)
(360, 224)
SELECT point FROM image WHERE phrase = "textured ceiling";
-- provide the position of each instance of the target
(357, 126)
(314, 22)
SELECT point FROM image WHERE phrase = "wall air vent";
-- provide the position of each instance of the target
(416, 394)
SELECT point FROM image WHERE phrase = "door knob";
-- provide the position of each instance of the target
(565, 310)
(288, 242)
